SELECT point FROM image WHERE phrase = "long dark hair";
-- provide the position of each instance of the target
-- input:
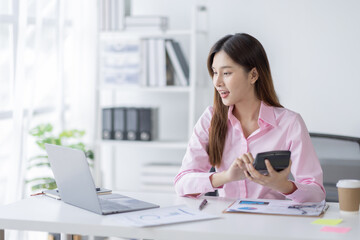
(248, 52)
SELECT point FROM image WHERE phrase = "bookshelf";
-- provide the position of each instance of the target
(120, 163)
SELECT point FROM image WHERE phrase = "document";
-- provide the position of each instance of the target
(279, 207)
(160, 216)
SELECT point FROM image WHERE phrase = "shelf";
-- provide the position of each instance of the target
(156, 144)
(171, 147)
(171, 89)
(144, 34)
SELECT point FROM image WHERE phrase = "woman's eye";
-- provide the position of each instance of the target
(215, 73)
(227, 73)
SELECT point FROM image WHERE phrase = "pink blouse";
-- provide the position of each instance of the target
(279, 129)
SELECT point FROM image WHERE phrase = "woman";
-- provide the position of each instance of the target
(247, 119)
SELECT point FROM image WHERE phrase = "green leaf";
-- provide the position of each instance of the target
(50, 140)
(72, 134)
(43, 179)
(41, 129)
(80, 146)
(41, 143)
(38, 157)
(38, 165)
(40, 186)
(90, 154)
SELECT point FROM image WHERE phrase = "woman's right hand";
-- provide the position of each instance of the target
(236, 170)
(234, 173)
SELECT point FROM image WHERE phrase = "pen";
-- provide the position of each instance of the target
(202, 204)
(35, 194)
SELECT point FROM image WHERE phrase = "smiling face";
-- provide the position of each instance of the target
(232, 81)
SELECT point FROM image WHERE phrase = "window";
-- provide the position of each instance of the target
(5, 6)
(6, 46)
(33, 85)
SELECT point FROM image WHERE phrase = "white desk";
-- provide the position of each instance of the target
(44, 214)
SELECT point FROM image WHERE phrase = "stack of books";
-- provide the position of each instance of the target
(130, 123)
(159, 177)
(163, 63)
(112, 14)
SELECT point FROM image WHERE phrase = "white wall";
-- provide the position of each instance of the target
(312, 45)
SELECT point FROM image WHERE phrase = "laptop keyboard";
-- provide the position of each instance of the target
(109, 206)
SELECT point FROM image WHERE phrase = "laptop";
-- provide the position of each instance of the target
(76, 186)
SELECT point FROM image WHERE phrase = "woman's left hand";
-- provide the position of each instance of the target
(275, 180)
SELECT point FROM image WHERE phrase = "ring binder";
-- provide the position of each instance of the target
(132, 124)
(107, 128)
(119, 123)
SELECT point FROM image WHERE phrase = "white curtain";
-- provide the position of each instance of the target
(83, 60)
(54, 66)
(15, 180)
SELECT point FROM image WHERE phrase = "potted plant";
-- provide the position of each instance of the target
(43, 133)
